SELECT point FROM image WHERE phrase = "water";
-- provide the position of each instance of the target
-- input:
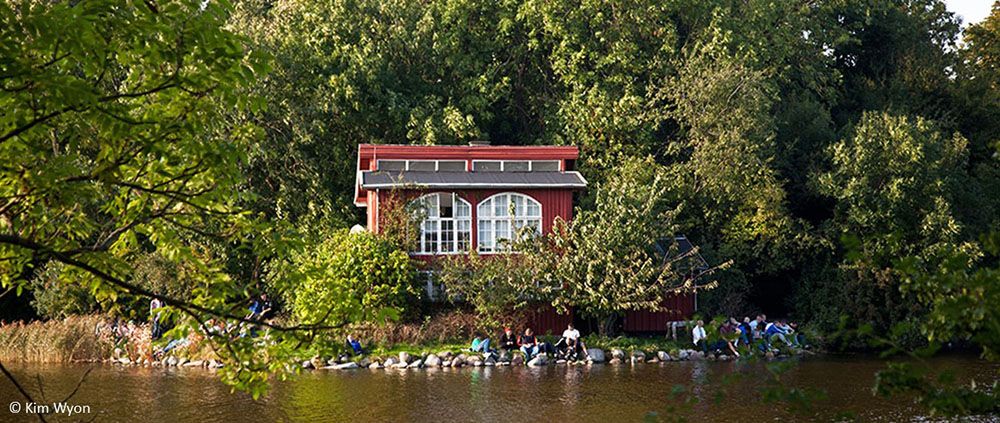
(726, 392)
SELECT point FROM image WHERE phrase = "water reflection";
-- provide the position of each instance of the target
(579, 393)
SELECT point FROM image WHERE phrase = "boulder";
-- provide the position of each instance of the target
(517, 360)
(490, 362)
(505, 356)
(332, 362)
(663, 356)
(445, 355)
(617, 353)
(416, 364)
(458, 361)
(477, 362)
(639, 354)
(307, 364)
(391, 361)
(195, 363)
(125, 360)
(364, 362)
(446, 363)
(347, 366)
(404, 357)
(182, 361)
(769, 355)
(214, 364)
(375, 366)
(560, 361)
(539, 360)
(615, 360)
(654, 359)
(697, 356)
(432, 360)
(400, 365)
(172, 361)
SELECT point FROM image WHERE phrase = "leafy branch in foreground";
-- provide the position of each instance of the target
(116, 143)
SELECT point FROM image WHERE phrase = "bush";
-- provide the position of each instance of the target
(349, 278)
(56, 298)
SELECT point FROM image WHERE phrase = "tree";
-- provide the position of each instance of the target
(114, 143)
(603, 261)
(893, 180)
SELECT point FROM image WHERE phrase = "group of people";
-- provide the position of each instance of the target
(735, 335)
(570, 346)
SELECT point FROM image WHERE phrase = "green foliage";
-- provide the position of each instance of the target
(55, 299)
(349, 277)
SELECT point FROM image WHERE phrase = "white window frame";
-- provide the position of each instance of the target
(456, 222)
(530, 164)
(488, 222)
(437, 163)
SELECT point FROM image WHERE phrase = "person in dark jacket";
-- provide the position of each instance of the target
(508, 342)
(529, 344)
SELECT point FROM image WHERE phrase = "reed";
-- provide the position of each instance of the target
(74, 338)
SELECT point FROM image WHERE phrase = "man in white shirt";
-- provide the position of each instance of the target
(698, 335)
(572, 339)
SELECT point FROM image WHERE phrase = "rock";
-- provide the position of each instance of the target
(683, 355)
(697, 356)
(639, 354)
(615, 360)
(195, 363)
(347, 366)
(711, 357)
(596, 354)
(182, 362)
(505, 356)
(400, 365)
(560, 361)
(124, 360)
(432, 360)
(617, 353)
(332, 362)
(490, 362)
(769, 355)
(477, 362)
(663, 356)
(655, 359)
(391, 361)
(458, 361)
(446, 363)
(445, 355)
(404, 357)
(172, 361)
(307, 364)
(416, 364)
(539, 360)
(364, 362)
(517, 360)
(375, 365)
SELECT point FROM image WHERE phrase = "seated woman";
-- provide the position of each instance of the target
(480, 345)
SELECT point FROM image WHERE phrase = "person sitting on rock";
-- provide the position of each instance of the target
(480, 345)
(508, 341)
(699, 337)
(529, 344)
(571, 334)
(728, 333)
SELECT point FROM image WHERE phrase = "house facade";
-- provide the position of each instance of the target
(475, 197)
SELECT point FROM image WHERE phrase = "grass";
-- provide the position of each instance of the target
(70, 339)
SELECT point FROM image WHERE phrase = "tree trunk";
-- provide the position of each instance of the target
(607, 326)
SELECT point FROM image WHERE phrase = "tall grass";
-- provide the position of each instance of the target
(72, 339)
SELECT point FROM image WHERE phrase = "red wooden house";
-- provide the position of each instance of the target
(474, 197)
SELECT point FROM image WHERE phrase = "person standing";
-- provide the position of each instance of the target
(154, 314)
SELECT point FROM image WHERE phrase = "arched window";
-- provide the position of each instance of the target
(501, 216)
(447, 223)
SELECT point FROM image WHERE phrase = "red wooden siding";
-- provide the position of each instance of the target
(544, 320)
(680, 307)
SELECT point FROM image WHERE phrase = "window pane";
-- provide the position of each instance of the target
(447, 236)
(502, 229)
(515, 166)
(464, 234)
(422, 165)
(486, 235)
(545, 166)
(534, 209)
(450, 166)
(491, 166)
(486, 208)
(462, 209)
(446, 200)
(500, 205)
(392, 165)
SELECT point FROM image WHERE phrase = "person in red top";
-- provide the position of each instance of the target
(508, 341)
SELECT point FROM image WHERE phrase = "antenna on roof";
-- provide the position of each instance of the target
(479, 143)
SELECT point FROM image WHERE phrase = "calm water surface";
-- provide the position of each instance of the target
(726, 392)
